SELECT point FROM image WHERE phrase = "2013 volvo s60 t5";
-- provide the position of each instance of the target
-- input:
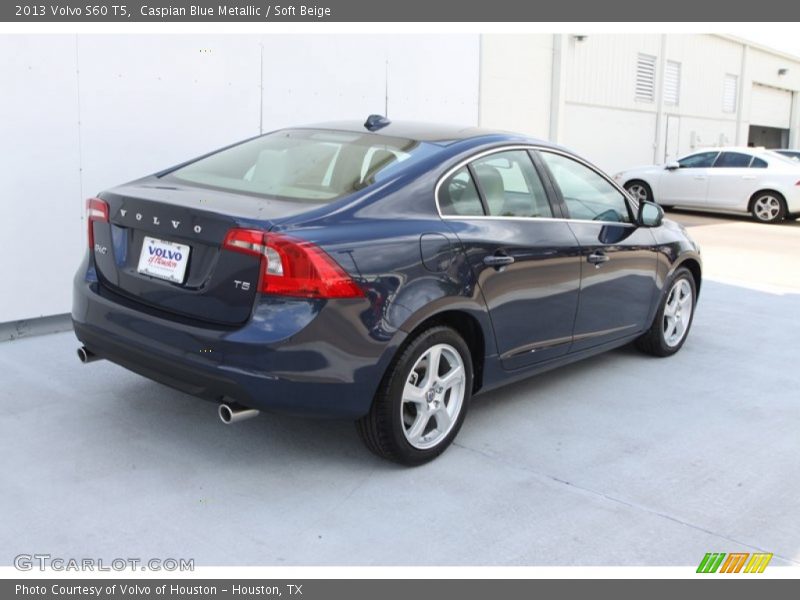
(380, 272)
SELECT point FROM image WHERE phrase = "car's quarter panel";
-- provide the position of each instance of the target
(410, 266)
(731, 188)
(792, 196)
(402, 265)
(616, 296)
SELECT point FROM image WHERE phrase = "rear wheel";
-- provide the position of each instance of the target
(422, 400)
(674, 317)
(768, 207)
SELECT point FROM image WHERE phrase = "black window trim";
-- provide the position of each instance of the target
(478, 186)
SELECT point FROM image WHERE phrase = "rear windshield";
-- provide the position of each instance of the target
(785, 157)
(311, 165)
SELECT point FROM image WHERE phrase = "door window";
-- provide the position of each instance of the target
(732, 160)
(511, 186)
(588, 195)
(459, 196)
(702, 160)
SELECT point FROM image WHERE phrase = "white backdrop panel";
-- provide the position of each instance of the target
(40, 216)
(84, 113)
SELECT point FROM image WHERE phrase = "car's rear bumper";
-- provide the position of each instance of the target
(293, 356)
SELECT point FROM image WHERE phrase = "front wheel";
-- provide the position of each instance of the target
(640, 191)
(673, 318)
(422, 400)
(768, 207)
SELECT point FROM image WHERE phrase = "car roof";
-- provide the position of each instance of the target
(749, 149)
(759, 151)
(436, 133)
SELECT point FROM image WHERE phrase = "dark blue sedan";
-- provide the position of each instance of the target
(381, 272)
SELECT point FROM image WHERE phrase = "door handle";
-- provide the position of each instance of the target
(498, 260)
(748, 176)
(699, 177)
(597, 258)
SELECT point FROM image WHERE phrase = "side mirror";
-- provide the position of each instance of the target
(650, 214)
(672, 165)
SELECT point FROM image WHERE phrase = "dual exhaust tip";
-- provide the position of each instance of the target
(229, 412)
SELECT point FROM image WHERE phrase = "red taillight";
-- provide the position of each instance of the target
(96, 210)
(291, 267)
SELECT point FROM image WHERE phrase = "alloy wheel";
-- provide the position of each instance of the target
(638, 191)
(677, 313)
(433, 396)
(767, 208)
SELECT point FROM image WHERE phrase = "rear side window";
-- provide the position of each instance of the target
(758, 164)
(458, 195)
(698, 161)
(511, 186)
(732, 160)
(312, 165)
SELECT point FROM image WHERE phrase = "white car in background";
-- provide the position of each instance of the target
(760, 182)
(793, 154)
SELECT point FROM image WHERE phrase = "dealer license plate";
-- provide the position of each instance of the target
(163, 259)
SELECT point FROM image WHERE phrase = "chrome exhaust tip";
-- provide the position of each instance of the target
(86, 356)
(232, 412)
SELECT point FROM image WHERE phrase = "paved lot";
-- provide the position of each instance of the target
(619, 460)
(739, 251)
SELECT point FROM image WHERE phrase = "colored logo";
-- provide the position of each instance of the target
(735, 562)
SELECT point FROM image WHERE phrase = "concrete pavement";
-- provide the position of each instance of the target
(622, 459)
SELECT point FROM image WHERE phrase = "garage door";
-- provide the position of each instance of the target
(770, 107)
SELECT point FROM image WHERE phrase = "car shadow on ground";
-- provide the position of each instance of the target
(193, 424)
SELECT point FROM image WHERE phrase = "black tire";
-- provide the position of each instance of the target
(648, 192)
(640, 190)
(383, 428)
(654, 341)
(768, 207)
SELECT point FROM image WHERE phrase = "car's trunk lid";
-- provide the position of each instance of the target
(151, 221)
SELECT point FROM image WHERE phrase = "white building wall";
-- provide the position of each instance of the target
(705, 60)
(40, 211)
(516, 83)
(597, 113)
(83, 113)
(610, 138)
(601, 69)
(602, 119)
